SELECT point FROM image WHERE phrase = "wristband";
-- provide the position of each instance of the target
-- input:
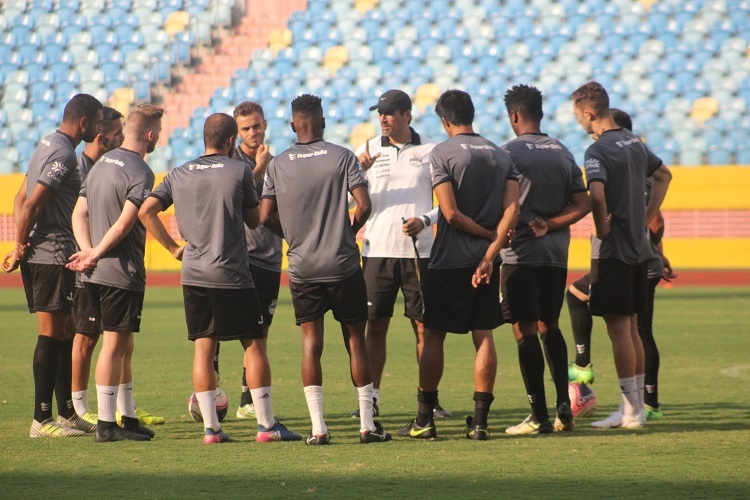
(426, 220)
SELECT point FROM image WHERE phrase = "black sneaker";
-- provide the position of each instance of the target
(377, 436)
(476, 432)
(318, 439)
(440, 412)
(375, 410)
(564, 420)
(415, 431)
(546, 427)
(134, 425)
(113, 432)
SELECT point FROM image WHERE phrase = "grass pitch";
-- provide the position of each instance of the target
(699, 450)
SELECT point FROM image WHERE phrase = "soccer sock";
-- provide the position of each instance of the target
(125, 401)
(427, 400)
(651, 352)
(263, 407)
(581, 322)
(364, 395)
(375, 396)
(639, 380)
(46, 356)
(81, 402)
(531, 360)
(557, 357)
(64, 380)
(629, 388)
(207, 404)
(106, 397)
(314, 397)
(246, 398)
(482, 402)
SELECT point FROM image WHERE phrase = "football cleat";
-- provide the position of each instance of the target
(147, 419)
(375, 410)
(415, 431)
(530, 426)
(652, 413)
(90, 417)
(318, 439)
(476, 432)
(440, 412)
(51, 428)
(377, 436)
(135, 425)
(111, 433)
(564, 420)
(277, 432)
(76, 422)
(246, 411)
(216, 437)
(580, 375)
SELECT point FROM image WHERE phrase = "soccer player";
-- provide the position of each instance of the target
(112, 243)
(397, 168)
(220, 299)
(44, 241)
(534, 270)
(477, 190)
(263, 247)
(581, 370)
(616, 169)
(305, 201)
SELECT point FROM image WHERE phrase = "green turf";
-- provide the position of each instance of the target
(699, 450)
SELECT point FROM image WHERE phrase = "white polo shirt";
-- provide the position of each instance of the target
(400, 186)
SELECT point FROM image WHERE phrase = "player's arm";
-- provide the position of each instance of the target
(11, 260)
(251, 216)
(511, 213)
(416, 225)
(661, 179)
(269, 216)
(602, 218)
(446, 198)
(364, 207)
(30, 211)
(262, 159)
(576, 209)
(85, 260)
(365, 159)
(149, 217)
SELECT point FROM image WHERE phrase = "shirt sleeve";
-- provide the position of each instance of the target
(163, 192)
(250, 199)
(576, 179)
(57, 169)
(354, 176)
(269, 187)
(439, 168)
(595, 165)
(140, 188)
(654, 162)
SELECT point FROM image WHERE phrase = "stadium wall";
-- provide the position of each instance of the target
(707, 216)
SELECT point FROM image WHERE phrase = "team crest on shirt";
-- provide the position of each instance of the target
(415, 160)
(57, 171)
(592, 166)
(146, 192)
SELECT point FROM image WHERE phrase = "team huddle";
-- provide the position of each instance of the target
(498, 255)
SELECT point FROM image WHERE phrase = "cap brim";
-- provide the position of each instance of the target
(373, 108)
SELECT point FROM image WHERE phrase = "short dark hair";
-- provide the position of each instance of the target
(622, 118)
(456, 107)
(81, 105)
(525, 100)
(247, 108)
(219, 127)
(307, 104)
(110, 116)
(592, 94)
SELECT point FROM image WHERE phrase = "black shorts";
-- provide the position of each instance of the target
(267, 287)
(115, 309)
(618, 288)
(85, 317)
(383, 278)
(532, 293)
(453, 305)
(346, 298)
(223, 313)
(583, 284)
(48, 287)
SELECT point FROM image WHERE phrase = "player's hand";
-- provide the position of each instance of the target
(11, 261)
(263, 156)
(668, 274)
(82, 261)
(539, 227)
(177, 254)
(509, 239)
(412, 227)
(482, 274)
(365, 159)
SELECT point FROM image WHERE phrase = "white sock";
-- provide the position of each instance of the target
(207, 403)
(314, 397)
(641, 381)
(106, 396)
(263, 407)
(365, 408)
(81, 402)
(125, 401)
(376, 396)
(629, 389)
